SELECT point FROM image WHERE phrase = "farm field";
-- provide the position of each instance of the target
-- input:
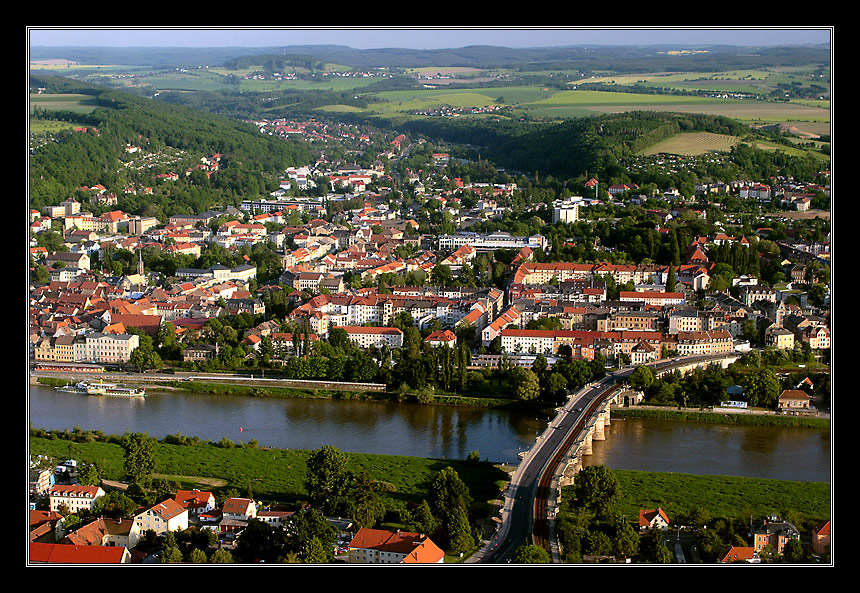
(69, 102)
(752, 112)
(692, 144)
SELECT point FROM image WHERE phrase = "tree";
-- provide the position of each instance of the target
(315, 552)
(460, 539)
(328, 479)
(526, 384)
(531, 554)
(422, 520)
(653, 550)
(139, 451)
(260, 541)
(596, 488)
(625, 541)
(304, 529)
(555, 383)
(793, 552)
(144, 357)
(88, 475)
(762, 388)
(449, 493)
(221, 556)
(642, 377)
(369, 507)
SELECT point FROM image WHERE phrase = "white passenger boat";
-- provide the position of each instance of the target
(102, 388)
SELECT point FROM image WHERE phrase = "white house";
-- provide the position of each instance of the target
(163, 517)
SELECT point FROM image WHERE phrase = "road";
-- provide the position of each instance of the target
(518, 516)
(523, 497)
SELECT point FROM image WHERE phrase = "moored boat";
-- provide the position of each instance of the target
(102, 388)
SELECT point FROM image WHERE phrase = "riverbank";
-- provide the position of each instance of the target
(724, 416)
(270, 391)
(277, 476)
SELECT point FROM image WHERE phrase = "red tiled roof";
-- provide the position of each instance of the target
(69, 554)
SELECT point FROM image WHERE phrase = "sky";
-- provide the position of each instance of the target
(420, 38)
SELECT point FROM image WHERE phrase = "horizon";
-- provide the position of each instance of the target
(420, 38)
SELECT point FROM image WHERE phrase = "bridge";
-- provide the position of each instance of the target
(532, 496)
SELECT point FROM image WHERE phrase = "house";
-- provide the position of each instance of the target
(46, 526)
(199, 352)
(821, 537)
(380, 546)
(73, 497)
(653, 519)
(274, 517)
(163, 517)
(740, 554)
(774, 532)
(239, 509)
(196, 501)
(105, 532)
(792, 401)
(41, 553)
(442, 337)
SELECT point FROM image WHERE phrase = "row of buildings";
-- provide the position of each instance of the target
(104, 540)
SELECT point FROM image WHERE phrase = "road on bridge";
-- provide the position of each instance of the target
(518, 515)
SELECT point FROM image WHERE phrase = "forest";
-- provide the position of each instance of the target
(251, 163)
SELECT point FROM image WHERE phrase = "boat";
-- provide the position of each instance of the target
(102, 388)
(80, 387)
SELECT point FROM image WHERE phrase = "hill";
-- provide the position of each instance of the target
(251, 162)
(582, 58)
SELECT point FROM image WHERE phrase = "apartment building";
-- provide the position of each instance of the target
(365, 337)
(73, 497)
(109, 348)
(380, 546)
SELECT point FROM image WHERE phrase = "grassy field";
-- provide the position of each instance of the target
(278, 474)
(722, 496)
(68, 102)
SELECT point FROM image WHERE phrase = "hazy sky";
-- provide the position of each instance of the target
(420, 38)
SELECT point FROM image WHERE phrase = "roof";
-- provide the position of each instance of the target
(75, 490)
(237, 506)
(193, 498)
(442, 335)
(168, 509)
(415, 547)
(794, 394)
(739, 554)
(646, 517)
(355, 329)
(70, 554)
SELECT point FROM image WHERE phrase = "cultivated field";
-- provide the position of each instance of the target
(71, 102)
(693, 143)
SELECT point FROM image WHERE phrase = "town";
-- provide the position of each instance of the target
(406, 267)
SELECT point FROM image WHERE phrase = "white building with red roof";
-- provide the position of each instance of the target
(380, 546)
(74, 497)
(163, 517)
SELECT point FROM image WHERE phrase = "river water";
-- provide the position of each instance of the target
(389, 428)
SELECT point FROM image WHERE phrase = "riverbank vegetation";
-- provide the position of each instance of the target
(718, 416)
(755, 379)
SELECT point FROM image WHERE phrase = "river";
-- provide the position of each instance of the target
(390, 428)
